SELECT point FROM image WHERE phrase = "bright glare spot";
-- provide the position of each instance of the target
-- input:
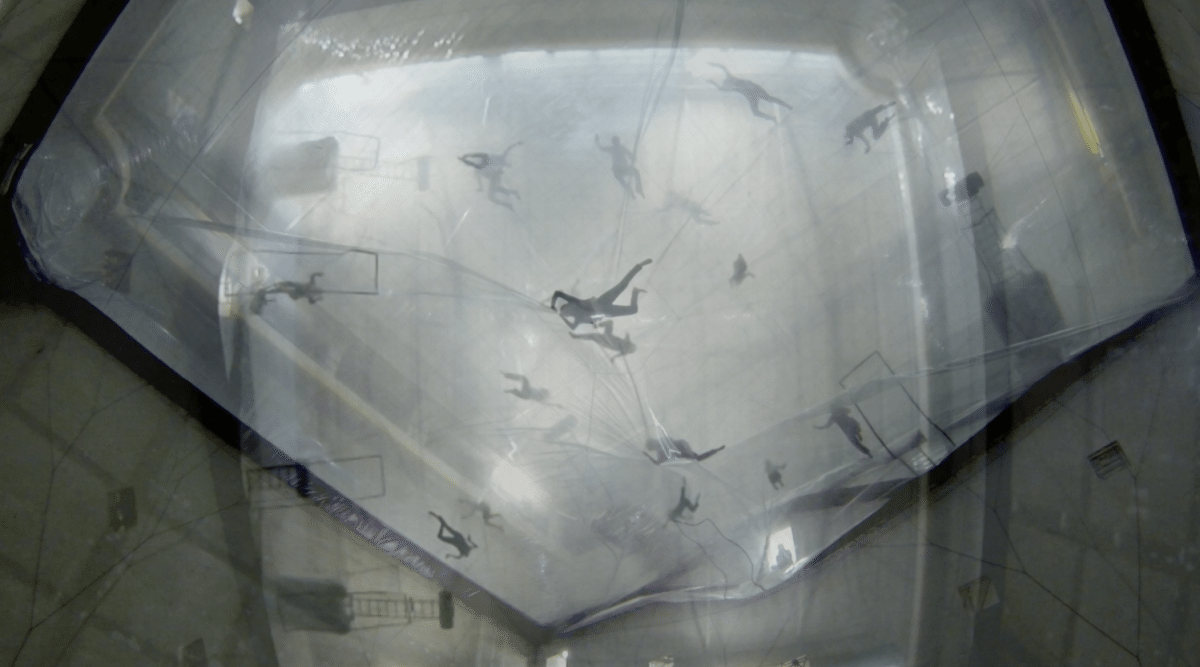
(950, 178)
(242, 9)
(933, 105)
(511, 480)
(559, 660)
(781, 549)
(665, 661)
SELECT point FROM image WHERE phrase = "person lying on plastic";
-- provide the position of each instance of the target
(622, 346)
(753, 92)
(486, 510)
(667, 450)
(454, 538)
(684, 504)
(295, 290)
(622, 166)
(482, 162)
(849, 425)
(740, 272)
(694, 210)
(867, 120)
(774, 474)
(576, 311)
(491, 167)
(526, 391)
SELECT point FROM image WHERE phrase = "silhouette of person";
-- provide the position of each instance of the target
(295, 290)
(622, 165)
(695, 211)
(865, 120)
(849, 425)
(526, 391)
(783, 558)
(560, 428)
(739, 271)
(753, 92)
(600, 307)
(491, 167)
(684, 504)
(670, 449)
(484, 161)
(774, 476)
(486, 510)
(454, 538)
(622, 346)
(965, 189)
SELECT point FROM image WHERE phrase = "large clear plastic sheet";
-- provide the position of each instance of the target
(640, 301)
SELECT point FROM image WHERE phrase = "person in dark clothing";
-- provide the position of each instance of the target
(491, 167)
(308, 290)
(740, 271)
(671, 449)
(774, 474)
(622, 166)
(753, 92)
(849, 425)
(684, 504)
(868, 120)
(599, 307)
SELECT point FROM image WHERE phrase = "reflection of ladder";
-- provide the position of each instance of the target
(391, 606)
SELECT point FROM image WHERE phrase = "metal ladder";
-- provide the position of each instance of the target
(385, 605)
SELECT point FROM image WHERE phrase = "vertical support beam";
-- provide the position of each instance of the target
(1137, 36)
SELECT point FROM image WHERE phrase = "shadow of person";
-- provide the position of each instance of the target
(606, 339)
(454, 538)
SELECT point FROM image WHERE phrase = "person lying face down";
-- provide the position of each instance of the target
(868, 120)
(670, 449)
(576, 311)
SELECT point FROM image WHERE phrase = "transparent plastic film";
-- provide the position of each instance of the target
(609, 303)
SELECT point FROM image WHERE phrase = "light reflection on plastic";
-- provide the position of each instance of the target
(1083, 120)
(510, 480)
(933, 106)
